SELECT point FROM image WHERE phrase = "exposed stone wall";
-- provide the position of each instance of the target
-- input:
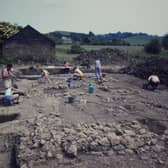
(107, 56)
(36, 52)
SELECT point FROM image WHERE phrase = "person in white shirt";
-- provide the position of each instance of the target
(153, 82)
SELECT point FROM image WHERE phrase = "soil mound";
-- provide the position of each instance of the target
(157, 66)
(107, 56)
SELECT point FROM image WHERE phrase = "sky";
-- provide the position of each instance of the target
(98, 16)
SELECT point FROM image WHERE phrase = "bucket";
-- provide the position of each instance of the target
(71, 99)
(103, 75)
(90, 88)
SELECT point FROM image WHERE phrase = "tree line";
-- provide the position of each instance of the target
(86, 39)
(154, 46)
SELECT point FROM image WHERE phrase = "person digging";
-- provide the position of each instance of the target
(153, 82)
(78, 74)
(45, 76)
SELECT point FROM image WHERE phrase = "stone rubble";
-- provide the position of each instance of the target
(50, 138)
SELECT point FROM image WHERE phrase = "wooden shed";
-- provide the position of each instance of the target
(29, 45)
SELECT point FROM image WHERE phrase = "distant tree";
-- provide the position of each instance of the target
(153, 47)
(165, 42)
(86, 40)
(55, 39)
(91, 34)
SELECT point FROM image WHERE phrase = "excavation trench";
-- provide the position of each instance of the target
(154, 125)
(105, 107)
(6, 118)
(8, 146)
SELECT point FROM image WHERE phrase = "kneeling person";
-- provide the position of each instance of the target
(9, 97)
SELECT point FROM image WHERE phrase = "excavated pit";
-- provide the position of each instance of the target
(154, 125)
(90, 116)
(8, 146)
(6, 118)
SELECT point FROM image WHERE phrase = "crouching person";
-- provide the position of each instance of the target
(153, 82)
(78, 74)
(9, 97)
(45, 76)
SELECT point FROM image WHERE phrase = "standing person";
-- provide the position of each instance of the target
(45, 75)
(88, 64)
(7, 75)
(66, 67)
(98, 71)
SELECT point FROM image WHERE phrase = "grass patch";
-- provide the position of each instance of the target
(138, 40)
(62, 53)
(141, 39)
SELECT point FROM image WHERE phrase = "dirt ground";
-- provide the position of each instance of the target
(119, 99)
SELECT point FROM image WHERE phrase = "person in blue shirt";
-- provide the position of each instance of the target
(10, 97)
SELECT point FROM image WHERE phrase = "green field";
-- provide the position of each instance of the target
(140, 40)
